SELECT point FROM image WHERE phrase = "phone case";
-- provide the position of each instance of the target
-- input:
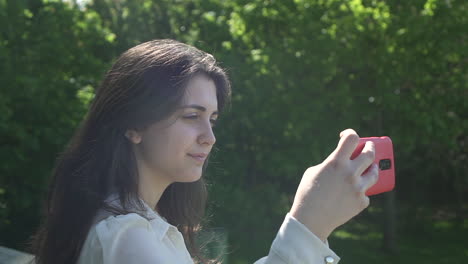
(384, 159)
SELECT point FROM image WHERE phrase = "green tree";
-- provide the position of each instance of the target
(52, 56)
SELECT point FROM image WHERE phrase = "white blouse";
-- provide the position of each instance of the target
(130, 238)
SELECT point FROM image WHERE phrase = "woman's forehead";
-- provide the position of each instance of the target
(201, 94)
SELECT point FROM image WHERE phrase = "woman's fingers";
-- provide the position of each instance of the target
(365, 159)
(347, 144)
(331, 192)
(366, 202)
(369, 178)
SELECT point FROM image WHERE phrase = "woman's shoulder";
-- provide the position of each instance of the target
(112, 234)
(112, 225)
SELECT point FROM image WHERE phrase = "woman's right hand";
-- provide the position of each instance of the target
(333, 192)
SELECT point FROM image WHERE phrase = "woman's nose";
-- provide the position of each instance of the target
(207, 135)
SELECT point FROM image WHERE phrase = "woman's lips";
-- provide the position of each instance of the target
(200, 159)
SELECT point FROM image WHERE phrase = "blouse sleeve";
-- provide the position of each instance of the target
(127, 239)
(295, 243)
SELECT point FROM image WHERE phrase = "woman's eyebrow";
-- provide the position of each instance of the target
(199, 107)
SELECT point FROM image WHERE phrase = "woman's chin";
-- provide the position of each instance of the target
(191, 178)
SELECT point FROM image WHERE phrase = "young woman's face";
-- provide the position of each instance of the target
(166, 146)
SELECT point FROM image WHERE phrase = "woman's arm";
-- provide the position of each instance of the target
(295, 243)
(328, 195)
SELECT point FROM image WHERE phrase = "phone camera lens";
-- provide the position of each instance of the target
(385, 164)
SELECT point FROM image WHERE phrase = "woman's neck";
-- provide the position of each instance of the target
(151, 186)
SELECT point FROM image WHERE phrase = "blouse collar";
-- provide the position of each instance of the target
(158, 222)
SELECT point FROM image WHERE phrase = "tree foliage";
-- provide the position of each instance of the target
(302, 71)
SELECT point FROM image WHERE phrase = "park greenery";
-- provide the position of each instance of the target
(301, 70)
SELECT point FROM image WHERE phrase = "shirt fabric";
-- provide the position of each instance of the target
(130, 238)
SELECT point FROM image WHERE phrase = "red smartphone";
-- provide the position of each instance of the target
(384, 159)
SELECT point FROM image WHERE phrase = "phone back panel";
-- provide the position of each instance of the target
(384, 159)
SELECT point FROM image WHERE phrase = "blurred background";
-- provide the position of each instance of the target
(302, 71)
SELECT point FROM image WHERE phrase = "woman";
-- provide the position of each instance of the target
(129, 186)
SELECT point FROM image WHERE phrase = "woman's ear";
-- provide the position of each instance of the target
(133, 136)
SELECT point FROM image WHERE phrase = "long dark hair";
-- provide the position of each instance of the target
(145, 85)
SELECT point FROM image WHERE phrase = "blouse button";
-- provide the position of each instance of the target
(329, 260)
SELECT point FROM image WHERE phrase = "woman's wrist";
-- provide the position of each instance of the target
(320, 232)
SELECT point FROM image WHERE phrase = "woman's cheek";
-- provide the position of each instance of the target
(186, 133)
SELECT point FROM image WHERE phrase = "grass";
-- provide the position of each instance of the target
(424, 235)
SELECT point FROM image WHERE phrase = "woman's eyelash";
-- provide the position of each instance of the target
(213, 121)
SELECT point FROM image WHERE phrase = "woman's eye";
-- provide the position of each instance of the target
(213, 121)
